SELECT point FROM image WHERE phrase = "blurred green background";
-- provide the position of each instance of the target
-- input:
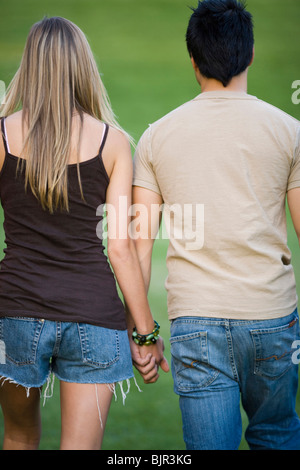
(140, 49)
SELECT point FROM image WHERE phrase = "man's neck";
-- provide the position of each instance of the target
(237, 84)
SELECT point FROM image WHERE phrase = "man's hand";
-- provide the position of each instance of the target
(148, 359)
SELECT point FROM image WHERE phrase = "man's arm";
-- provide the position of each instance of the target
(293, 198)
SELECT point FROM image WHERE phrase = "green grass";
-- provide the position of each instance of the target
(139, 46)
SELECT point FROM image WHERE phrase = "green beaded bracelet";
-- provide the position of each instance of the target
(146, 340)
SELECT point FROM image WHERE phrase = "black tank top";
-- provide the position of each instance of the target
(54, 265)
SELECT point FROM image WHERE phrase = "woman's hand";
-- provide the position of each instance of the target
(148, 359)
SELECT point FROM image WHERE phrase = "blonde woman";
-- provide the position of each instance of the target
(61, 157)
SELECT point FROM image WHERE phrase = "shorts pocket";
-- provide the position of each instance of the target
(100, 346)
(191, 369)
(273, 349)
(20, 336)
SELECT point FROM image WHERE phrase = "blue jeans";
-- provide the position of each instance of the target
(217, 362)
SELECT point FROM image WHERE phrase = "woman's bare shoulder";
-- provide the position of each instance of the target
(14, 118)
(118, 139)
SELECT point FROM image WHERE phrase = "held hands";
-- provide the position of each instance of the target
(148, 359)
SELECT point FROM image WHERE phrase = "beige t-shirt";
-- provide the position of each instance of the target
(223, 163)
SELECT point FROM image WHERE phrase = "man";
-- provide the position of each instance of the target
(222, 164)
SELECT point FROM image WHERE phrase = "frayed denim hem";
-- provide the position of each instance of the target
(49, 385)
(49, 388)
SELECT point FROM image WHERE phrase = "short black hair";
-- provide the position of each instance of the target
(220, 38)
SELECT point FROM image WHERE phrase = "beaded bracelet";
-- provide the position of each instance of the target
(146, 340)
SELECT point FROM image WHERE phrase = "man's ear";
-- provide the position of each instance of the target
(253, 55)
(198, 75)
(194, 64)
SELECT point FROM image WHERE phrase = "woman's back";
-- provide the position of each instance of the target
(54, 265)
(58, 163)
(91, 135)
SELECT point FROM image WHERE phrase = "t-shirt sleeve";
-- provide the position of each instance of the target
(294, 178)
(143, 171)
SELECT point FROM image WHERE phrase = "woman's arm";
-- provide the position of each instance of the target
(120, 247)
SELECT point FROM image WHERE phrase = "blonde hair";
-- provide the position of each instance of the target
(57, 76)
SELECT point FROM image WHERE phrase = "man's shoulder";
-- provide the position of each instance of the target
(169, 121)
(276, 112)
(174, 115)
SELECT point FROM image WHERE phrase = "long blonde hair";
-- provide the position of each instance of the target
(57, 76)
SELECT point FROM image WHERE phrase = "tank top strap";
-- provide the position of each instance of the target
(4, 136)
(103, 139)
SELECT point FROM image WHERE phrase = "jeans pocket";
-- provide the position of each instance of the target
(21, 338)
(274, 349)
(191, 369)
(100, 346)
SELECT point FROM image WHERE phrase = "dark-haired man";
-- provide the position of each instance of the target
(222, 164)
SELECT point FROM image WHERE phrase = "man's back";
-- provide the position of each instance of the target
(234, 157)
(223, 165)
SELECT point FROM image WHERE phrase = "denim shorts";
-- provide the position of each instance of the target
(31, 349)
